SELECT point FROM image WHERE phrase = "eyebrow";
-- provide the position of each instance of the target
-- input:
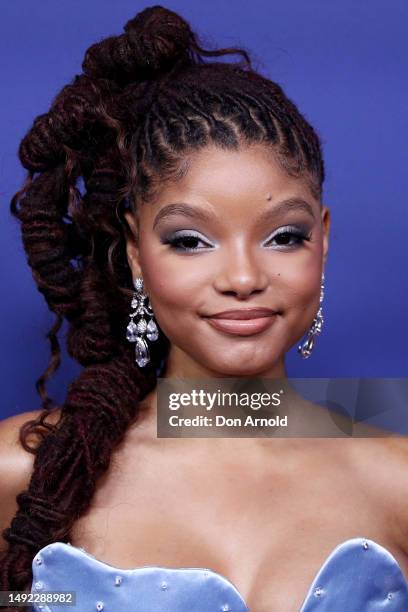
(182, 208)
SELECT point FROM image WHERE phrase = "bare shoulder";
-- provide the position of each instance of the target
(16, 464)
(387, 456)
(381, 465)
(396, 453)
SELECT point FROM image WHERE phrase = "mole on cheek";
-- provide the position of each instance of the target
(269, 197)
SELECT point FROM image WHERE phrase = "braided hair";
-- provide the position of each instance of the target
(119, 129)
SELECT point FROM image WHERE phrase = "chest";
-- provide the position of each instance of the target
(267, 531)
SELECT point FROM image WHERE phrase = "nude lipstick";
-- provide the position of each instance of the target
(243, 322)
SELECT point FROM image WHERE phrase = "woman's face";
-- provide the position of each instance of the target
(235, 233)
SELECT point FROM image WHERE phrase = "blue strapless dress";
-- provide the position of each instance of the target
(358, 576)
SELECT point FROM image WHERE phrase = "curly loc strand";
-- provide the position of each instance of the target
(146, 99)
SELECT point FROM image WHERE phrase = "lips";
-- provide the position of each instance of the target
(243, 313)
(244, 322)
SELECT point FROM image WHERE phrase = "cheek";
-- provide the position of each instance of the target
(302, 277)
(303, 288)
(171, 281)
(302, 299)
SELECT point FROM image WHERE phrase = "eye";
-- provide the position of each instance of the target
(186, 241)
(288, 237)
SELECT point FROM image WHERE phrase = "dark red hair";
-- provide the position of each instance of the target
(111, 137)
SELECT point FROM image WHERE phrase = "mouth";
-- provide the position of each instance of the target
(241, 326)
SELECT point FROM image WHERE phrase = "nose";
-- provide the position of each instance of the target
(240, 272)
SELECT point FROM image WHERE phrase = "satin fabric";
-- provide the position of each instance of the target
(358, 576)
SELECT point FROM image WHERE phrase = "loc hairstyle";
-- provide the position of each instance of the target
(144, 100)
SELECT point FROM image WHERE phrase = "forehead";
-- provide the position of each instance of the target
(231, 180)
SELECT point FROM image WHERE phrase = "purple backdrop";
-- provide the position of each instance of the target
(343, 63)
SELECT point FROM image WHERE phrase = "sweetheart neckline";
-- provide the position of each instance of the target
(357, 541)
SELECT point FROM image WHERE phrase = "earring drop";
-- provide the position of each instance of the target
(135, 331)
(305, 349)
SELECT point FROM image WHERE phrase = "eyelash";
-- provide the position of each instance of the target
(174, 241)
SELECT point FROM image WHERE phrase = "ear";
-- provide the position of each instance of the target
(326, 231)
(132, 243)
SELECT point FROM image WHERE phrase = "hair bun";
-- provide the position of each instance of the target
(154, 41)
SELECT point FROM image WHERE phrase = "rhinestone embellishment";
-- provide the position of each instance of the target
(138, 284)
(38, 560)
(318, 592)
(118, 580)
(131, 334)
(99, 605)
(144, 329)
(141, 326)
(163, 585)
(152, 331)
(365, 545)
(225, 608)
(39, 585)
(306, 348)
(141, 352)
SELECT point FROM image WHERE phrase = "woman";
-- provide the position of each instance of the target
(200, 195)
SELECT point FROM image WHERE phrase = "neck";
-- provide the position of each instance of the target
(177, 366)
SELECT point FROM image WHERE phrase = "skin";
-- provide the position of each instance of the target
(240, 264)
(265, 513)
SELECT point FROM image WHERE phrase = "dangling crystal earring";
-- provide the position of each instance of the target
(305, 349)
(136, 331)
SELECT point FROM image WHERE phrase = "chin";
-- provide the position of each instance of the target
(247, 370)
